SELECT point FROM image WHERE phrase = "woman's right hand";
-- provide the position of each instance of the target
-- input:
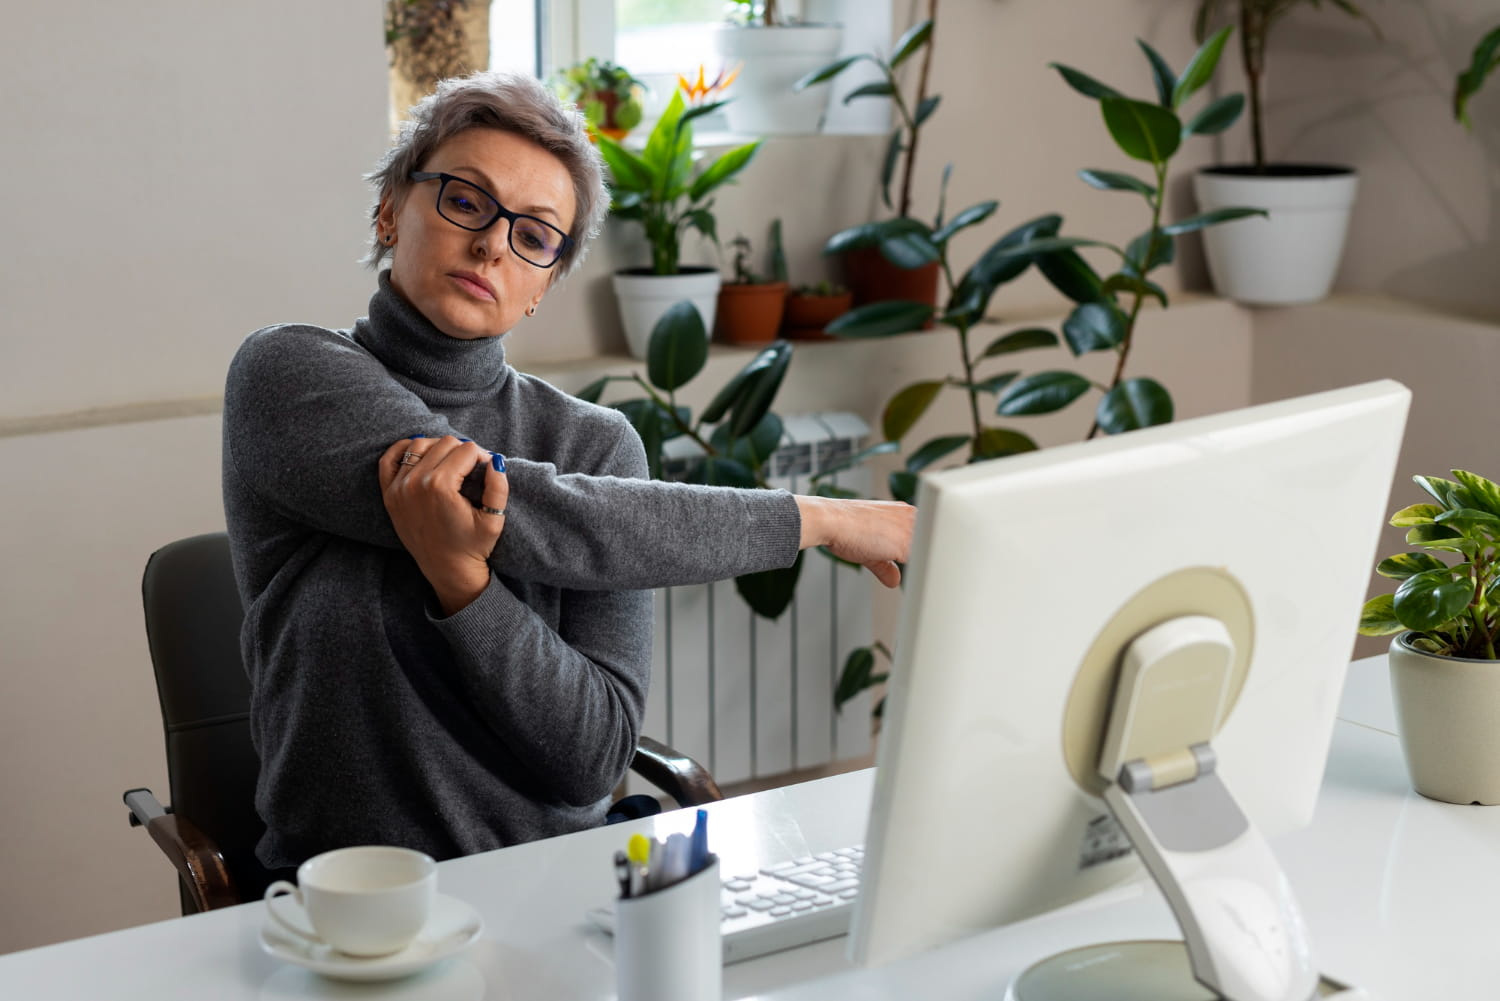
(876, 534)
(451, 539)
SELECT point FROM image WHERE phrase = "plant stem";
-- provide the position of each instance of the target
(671, 411)
(911, 150)
(1254, 24)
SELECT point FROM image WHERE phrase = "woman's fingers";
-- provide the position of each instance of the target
(496, 488)
(887, 572)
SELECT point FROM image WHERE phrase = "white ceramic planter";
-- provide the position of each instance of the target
(1293, 256)
(1448, 714)
(645, 297)
(771, 60)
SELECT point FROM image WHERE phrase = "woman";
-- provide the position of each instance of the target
(428, 671)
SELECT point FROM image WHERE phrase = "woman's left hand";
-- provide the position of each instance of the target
(450, 539)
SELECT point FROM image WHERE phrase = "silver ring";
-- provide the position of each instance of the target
(410, 458)
(492, 510)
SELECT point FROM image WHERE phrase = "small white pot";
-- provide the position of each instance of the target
(644, 297)
(771, 60)
(1448, 715)
(1293, 256)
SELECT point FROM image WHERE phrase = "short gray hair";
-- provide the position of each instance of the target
(511, 102)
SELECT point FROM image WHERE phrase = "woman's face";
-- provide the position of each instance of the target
(468, 284)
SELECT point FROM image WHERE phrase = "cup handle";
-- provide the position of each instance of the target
(283, 888)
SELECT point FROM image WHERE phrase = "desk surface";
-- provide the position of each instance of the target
(1398, 891)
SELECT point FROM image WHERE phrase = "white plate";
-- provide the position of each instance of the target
(452, 927)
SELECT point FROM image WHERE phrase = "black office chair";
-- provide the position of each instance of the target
(209, 832)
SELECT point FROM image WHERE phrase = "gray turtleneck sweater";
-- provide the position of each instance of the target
(376, 719)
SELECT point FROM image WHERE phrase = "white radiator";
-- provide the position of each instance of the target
(748, 697)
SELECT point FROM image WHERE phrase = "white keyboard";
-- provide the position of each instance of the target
(782, 905)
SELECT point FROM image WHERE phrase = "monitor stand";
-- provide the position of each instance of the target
(1244, 935)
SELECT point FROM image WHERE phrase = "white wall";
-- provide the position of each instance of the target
(210, 156)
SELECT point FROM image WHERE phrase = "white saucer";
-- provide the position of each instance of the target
(452, 927)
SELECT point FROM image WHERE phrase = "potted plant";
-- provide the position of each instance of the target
(430, 40)
(608, 95)
(774, 52)
(663, 190)
(879, 262)
(1293, 255)
(811, 308)
(751, 305)
(1106, 310)
(1486, 58)
(1445, 619)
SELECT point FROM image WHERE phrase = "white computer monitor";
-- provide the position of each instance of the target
(1031, 575)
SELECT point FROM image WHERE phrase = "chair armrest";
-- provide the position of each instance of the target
(200, 866)
(677, 775)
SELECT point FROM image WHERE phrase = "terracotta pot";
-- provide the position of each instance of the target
(872, 278)
(807, 314)
(1448, 715)
(750, 314)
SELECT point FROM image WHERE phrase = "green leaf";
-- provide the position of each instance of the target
(881, 319)
(859, 667)
(648, 420)
(872, 234)
(722, 169)
(1134, 404)
(627, 171)
(970, 216)
(678, 347)
(877, 88)
(1083, 83)
(770, 592)
(999, 264)
(1404, 565)
(1112, 180)
(1135, 284)
(755, 448)
(1440, 489)
(594, 390)
(907, 407)
(1042, 393)
(893, 150)
(1161, 252)
(717, 471)
(668, 144)
(1378, 617)
(1483, 493)
(828, 72)
(1470, 522)
(910, 250)
(995, 383)
(1416, 514)
(1200, 69)
(1161, 74)
(1142, 131)
(1207, 219)
(1095, 326)
(1216, 116)
(903, 486)
(1071, 275)
(1426, 601)
(1435, 537)
(760, 389)
(995, 443)
(925, 109)
(1485, 58)
(935, 450)
(1020, 340)
(910, 41)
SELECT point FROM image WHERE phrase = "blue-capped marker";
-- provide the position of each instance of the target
(700, 842)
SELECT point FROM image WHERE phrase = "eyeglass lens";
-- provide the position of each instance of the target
(470, 207)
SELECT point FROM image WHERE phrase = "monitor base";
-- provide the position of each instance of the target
(1144, 970)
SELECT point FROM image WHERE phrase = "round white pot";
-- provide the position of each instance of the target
(1448, 714)
(644, 297)
(1291, 257)
(771, 60)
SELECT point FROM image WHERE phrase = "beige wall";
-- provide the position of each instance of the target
(211, 154)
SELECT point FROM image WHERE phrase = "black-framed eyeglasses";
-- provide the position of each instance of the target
(468, 206)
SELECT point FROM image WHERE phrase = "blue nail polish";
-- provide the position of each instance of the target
(466, 439)
(498, 461)
(416, 436)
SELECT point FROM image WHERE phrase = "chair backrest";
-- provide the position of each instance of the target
(193, 618)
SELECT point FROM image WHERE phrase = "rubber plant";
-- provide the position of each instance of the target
(1106, 310)
(1486, 57)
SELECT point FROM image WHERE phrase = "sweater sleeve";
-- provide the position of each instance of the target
(308, 412)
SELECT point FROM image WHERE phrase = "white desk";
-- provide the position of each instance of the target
(1400, 894)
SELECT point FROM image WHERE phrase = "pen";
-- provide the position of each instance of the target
(622, 873)
(700, 842)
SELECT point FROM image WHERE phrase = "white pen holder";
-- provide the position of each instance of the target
(667, 942)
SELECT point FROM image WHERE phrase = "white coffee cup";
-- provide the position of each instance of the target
(370, 900)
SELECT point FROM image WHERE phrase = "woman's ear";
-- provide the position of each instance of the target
(385, 220)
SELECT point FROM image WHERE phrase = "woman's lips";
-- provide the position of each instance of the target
(474, 285)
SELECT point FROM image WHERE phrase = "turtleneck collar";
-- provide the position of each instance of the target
(408, 344)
